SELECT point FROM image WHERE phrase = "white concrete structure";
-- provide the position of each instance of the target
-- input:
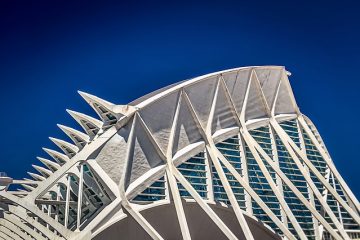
(227, 155)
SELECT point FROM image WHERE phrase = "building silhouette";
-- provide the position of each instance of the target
(227, 155)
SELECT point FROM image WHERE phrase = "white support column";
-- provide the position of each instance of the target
(80, 197)
(57, 207)
(67, 201)
(49, 209)
(209, 179)
(245, 173)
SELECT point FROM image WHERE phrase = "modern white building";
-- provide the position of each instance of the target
(227, 155)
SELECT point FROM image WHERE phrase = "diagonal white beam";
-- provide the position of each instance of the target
(329, 163)
(10, 233)
(210, 150)
(207, 209)
(245, 172)
(318, 233)
(272, 184)
(248, 139)
(124, 201)
(234, 203)
(241, 121)
(5, 236)
(299, 165)
(21, 232)
(206, 134)
(171, 179)
(298, 193)
(314, 170)
(294, 189)
(17, 216)
(244, 183)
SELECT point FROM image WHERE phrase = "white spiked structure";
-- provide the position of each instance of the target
(226, 155)
(80, 139)
(69, 149)
(44, 171)
(91, 125)
(58, 157)
(36, 177)
(53, 166)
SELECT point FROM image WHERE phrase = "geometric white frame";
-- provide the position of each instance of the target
(121, 193)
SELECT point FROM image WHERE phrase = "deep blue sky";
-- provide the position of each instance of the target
(121, 51)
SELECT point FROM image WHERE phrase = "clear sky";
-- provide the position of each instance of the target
(121, 51)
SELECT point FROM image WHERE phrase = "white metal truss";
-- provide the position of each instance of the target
(235, 138)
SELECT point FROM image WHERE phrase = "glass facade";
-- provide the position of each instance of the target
(230, 149)
(258, 181)
(194, 170)
(198, 169)
(153, 193)
(288, 166)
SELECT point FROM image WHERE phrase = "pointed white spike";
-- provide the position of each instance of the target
(80, 139)
(36, 176)
(53, 166)
(69, 149)
(91, 125)
(58, 157)
(45, 172)
(31, 182)
(22, 191)
(27, 187)
(102, 107)
(92, 98)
